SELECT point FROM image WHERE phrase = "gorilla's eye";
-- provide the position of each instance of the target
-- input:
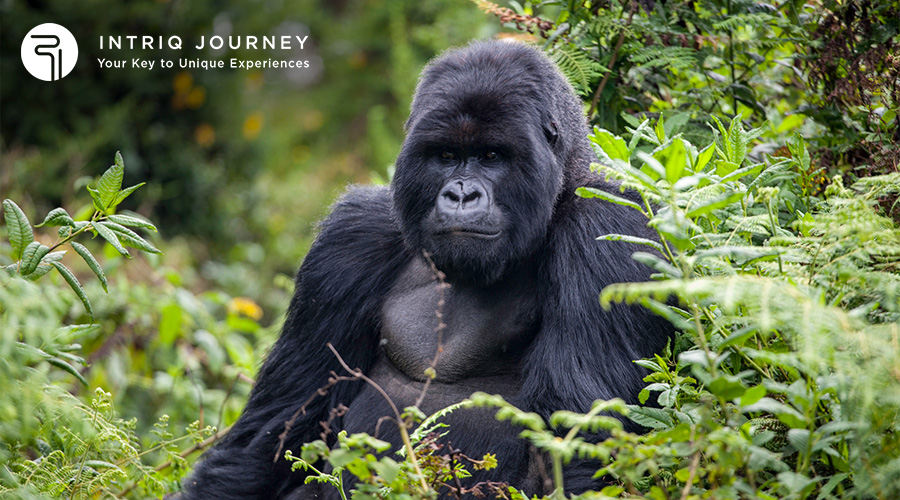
(447, 155)
(491, 155)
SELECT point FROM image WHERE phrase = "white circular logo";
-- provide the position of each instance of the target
(49, 52)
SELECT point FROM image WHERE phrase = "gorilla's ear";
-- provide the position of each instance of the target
(551, 131)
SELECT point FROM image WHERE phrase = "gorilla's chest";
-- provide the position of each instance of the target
(485, 329)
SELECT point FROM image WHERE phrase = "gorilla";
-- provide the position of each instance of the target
(484, 190)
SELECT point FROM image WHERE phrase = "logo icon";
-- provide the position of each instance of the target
(49, 52)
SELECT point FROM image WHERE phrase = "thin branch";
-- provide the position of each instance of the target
(612, 62)
(410, 452)
(439, 329)
(321, 391)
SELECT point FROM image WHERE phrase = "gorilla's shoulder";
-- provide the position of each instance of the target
(358, 205)
(358, 241)
(579, 221)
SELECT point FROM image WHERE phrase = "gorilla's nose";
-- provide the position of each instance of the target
(463, 197)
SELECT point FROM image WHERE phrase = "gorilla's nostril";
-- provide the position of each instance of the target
(451, 196)
(474, 195)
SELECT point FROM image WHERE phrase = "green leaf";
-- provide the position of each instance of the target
(111, 182)
(32, 256)
(69, 368)
(20, 232)
(727, 387)
(632, 239)
(708, 206)
(637, 133)
(797, 147)
(704, 156)
(110, 236)
(676, 122)
(783, 412)
(125, 193)
(674, 159)
(653, 418)
(92, 263)
(753, 395)
(76, 286)
(97, 200)
(44, 266)
(57, 217)
(130, 238)
(612, 145)
(170, 324)
(652, 166)
(127, 220)
(799, 439)
(589, 192)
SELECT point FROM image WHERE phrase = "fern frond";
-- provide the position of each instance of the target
(577, 66)
(658, 56)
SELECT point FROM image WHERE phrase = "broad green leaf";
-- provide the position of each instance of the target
(708, 206)
(725, 167)
(20, 232)
(753, 395)
(632, 239)
(130, 238)
(611, 144)
(76, 286)
(127, 220)
(674, 123)
(790, 123)
(92, 263)
(704, 156)
(589, 192)
(742, 172)
(652, 166)
(125, 193)
(799, 439)
(727, 387)
(110, 183)
(654, 418)
(674, 159)
(32, 256)
(110, 236)
(44, 266)
(57, 217)
(170, 324)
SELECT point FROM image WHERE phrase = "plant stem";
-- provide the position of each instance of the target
(612, 62)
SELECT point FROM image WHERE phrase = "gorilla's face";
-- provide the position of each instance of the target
(477, 179)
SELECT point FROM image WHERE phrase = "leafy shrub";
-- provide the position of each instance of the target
(782, 382)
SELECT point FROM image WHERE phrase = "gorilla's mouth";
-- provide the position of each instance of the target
(470, 233)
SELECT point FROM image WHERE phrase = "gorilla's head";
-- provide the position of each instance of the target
(495, 137)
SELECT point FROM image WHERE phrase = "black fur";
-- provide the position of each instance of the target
(504, 95)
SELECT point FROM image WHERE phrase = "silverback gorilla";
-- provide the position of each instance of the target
(495, 148)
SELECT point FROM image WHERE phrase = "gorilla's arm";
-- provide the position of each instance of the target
(584, 352)
(339, 291)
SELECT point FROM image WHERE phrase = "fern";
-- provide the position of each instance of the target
(656, 56)
(575, 64)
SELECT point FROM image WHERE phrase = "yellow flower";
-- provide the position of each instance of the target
(253, 125)
(245, 306)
